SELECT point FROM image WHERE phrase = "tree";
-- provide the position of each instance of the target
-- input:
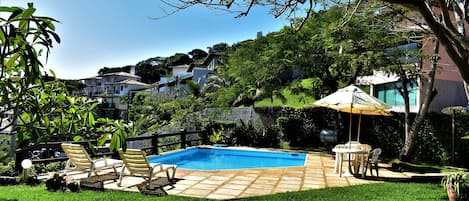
(408, 73)
(151, 70)
(198, 54)
(51, 114)
(40, 111)
(445, 18)
(330, 53)
(24, 37)
(219, 48)
(152, 112)
(177, 59)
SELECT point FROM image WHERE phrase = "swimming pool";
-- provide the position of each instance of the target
(225, 159)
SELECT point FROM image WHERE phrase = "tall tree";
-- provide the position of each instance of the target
(198, 54)
(24, 37)
(151, 70)
(445, 18)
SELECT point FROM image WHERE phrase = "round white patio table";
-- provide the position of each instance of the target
(339, 155)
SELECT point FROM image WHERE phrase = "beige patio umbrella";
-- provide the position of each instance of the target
(353, 100)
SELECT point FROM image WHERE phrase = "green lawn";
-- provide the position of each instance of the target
(382, 191)
(293, 100)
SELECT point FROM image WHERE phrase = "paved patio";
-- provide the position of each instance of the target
(229, 184)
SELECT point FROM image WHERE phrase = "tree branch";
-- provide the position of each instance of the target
(448, 41)
(251, 3)
(446, 18)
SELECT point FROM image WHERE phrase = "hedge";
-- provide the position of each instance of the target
(301, 127)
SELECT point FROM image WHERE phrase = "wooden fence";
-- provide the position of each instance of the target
(157, 142)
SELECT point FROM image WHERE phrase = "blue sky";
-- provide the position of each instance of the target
(114, 33)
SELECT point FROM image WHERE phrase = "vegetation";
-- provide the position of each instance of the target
(24, 37)
(151, 112)
(381, 191)
(51, 114)
(296, 94)
(39, 108)
(23, 192)
(459, 182)
(327, 52)
(439, 21)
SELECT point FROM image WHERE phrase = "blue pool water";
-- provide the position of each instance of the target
(224, 159)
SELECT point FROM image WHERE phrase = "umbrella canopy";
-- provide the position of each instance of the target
(353, 100)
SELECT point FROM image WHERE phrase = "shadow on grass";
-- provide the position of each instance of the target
(435, 179)
(408, 167)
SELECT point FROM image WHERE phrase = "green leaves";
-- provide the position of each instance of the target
(23, 36)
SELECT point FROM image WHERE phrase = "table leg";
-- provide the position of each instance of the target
(341, 156)
(336, 166)
(362, 165)
(347, 170)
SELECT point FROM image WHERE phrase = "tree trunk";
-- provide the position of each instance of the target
(411, 135)
(405, 95)
(466, 91)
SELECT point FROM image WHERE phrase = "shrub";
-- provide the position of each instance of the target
(301, 127)
(292, 130)
(51, 167)
(246, 134)
(8, 169)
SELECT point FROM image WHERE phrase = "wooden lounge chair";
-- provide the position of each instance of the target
(79, 158)
(136, 162)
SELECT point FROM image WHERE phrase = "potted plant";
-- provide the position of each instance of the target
(457, 185)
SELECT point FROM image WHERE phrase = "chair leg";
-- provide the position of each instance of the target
(115, 170)
(67, 166)
(377, 171)
(172, 175)
(121, 175)
(92, 169)
(171, 178)
(150, 177)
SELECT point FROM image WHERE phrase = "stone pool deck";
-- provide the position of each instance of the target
(231, 184)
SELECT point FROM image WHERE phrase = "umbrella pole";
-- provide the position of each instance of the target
(359, 127)
(350, 128)
(348, 171)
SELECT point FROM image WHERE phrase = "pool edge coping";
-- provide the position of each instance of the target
(245, 148)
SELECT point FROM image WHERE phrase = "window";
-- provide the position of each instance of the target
(406, 52)
(389, 93)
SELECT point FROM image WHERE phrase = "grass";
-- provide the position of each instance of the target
(24, 192)
(296, 101)
(424, 167)
(293, 100)
(381, 191)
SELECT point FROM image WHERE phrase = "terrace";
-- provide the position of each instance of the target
(231, 184)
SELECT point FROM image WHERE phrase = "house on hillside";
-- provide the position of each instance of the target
(203, 70)
(111, 87)
(92, 87)
(448, 82)
(180, 74)
(173, 86)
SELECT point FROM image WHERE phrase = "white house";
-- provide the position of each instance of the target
(111, 87)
